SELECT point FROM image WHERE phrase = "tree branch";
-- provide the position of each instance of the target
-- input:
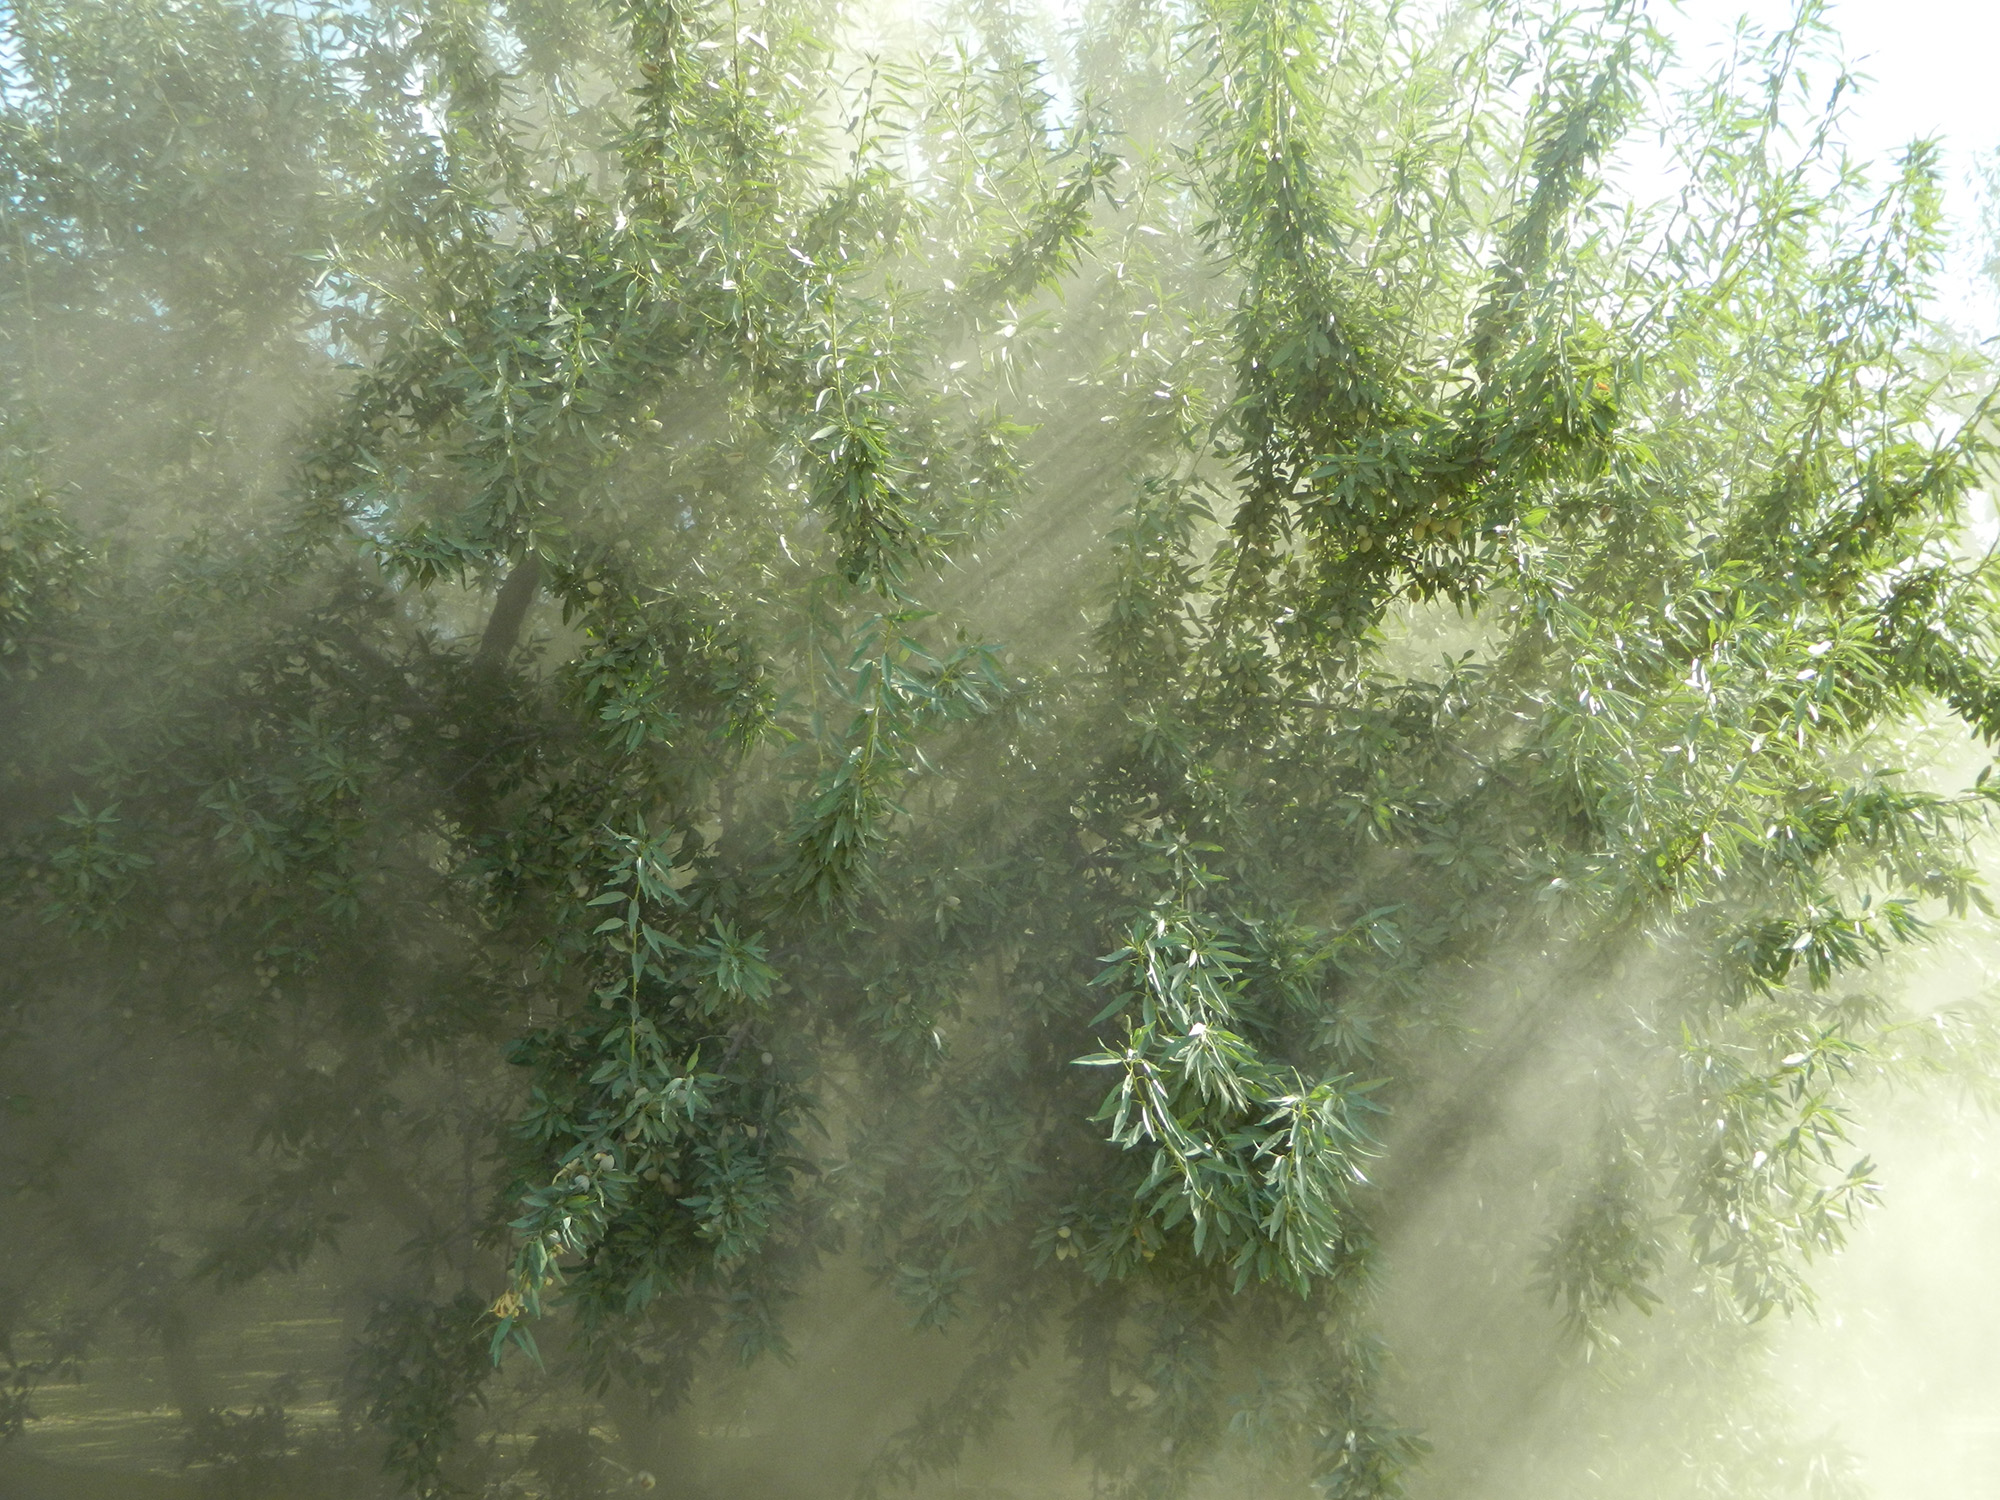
(503, 627)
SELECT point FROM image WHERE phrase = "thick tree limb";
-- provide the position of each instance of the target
(503, 626)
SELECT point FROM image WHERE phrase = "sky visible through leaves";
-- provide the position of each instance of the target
(1928, 70)
(1899, 1359)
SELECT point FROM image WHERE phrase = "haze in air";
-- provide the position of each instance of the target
(789, 752)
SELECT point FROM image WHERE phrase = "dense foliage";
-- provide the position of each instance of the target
(655, 657)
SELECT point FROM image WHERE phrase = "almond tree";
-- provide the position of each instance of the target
(651, 652)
